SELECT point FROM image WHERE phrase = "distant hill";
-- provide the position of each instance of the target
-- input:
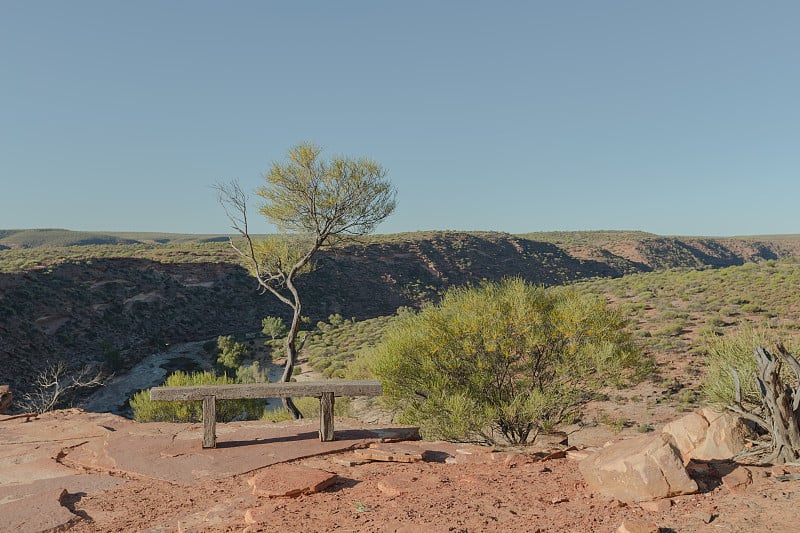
(36, 238)
(102, 293)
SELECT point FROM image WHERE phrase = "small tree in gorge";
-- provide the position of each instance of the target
(315, 204)
(273, 327)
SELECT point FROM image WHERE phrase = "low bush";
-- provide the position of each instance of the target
(231, 353)
(503, 362)
(309, 407)
(145, 410)
(734, 351)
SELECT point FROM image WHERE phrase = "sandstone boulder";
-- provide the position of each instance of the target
(391, 452)
(290, 481)
(738, 480)
(643, 468)
(5, 398)
(707, 435)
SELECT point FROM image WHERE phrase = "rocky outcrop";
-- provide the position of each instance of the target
(738, 480)
(707, 435)
(643, 468)
(391, 452)
(291, 481)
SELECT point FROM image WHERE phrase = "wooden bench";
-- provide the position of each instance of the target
(209, 394)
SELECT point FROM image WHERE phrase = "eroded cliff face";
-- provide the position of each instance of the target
(83, 312)
(94, 310)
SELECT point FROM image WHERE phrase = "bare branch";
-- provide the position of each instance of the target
(795, 366)
(55, 382)
(737, 385)
(750, 416)
(234, 201)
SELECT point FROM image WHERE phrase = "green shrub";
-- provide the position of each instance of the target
(734, 351)
(273, 327)
(231, 352)
(145, 410)
(751, 308)
(336, 320)
(716, 322)
(309, 407)
(616, 424)
(671, 330)
(508, 358)
(251, 373)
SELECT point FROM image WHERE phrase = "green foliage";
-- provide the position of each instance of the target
(507, 358)
(279, 254)
(617, 424)
(336, 351)
(734, 351)
(251, 373)
(309, 407)
(231, 353)
(751, 308)
(314, 203)
(335, 320)
(341, 196)
(673, 306)
(273, 327)
(145, 410)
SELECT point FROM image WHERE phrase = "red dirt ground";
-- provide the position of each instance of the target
(493, 492)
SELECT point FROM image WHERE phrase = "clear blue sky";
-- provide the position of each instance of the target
(680, 118)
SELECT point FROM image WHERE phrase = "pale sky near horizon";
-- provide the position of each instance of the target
(678, 118)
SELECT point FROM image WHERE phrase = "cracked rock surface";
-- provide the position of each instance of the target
(86, 472)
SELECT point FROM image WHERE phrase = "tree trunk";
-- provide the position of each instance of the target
(291, 353)
(781, 404)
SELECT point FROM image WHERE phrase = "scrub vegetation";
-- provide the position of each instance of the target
(503, 362)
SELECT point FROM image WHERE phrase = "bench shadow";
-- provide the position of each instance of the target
(339, 435)
(308, 435)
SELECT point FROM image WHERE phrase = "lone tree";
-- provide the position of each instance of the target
(315, 204)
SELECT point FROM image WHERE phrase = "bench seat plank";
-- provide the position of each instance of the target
(267, 390)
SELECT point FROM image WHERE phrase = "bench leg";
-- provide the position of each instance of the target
(326, 417)
(209, 421)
